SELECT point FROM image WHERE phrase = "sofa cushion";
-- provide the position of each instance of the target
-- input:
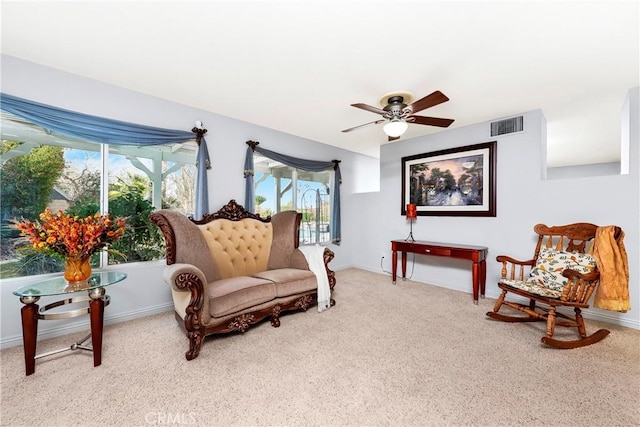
(227, 296)
(290, 281)
(239, 248)
(551, 263)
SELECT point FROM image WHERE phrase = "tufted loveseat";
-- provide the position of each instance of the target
(232, 269)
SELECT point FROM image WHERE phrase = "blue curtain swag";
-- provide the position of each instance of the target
(109, 131)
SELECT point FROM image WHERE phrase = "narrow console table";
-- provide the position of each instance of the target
(96, 298)
(476, 254)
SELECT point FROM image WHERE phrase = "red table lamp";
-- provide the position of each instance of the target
(412, 215)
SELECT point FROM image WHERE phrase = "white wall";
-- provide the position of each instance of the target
(579, 171)
(369, 220)
(144, 292)
(524, 199)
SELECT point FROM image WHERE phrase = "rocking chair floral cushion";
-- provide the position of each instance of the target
(551, 263)
(546, 279)
(532, 286)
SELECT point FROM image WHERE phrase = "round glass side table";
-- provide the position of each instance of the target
(97, 300)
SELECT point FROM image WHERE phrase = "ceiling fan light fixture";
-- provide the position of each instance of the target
(395, 128)
(398, 111)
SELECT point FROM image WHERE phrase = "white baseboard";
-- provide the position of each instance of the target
(16, 340)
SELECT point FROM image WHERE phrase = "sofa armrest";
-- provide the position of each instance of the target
(186, 278)
(172, 273)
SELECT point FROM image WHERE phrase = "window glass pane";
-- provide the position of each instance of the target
(179, 187)
(265, 199)
(34, 177)
(141, 181)
(80, 181)
(131, 186)
(272, 194)
(279, 187)
(77, 190)
(313, 203)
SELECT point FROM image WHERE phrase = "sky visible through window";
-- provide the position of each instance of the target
(118, 165)
(306, 189)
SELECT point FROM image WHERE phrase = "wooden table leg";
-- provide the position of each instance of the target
(476, 281)
(404, 265)
(394, 266)
(96, 310)
(483, 277)
(29, 332)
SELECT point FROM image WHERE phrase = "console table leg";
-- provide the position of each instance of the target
(96, 309)
(394, 266)
(29, 335)
(476, 281)
(404, 265)
(483, 277)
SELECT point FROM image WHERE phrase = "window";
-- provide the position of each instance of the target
(40, 169)
(279, 187)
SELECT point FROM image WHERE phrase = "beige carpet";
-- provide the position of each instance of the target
(410, 354)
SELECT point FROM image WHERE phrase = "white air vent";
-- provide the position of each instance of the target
(503, 127)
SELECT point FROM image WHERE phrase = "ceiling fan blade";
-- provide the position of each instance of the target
(366, 124)
(430, 100)
(393, 138)
(430, 121)
(369, 108)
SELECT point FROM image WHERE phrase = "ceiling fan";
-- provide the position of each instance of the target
(397, 110)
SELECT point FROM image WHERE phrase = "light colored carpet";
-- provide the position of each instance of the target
(410, 354)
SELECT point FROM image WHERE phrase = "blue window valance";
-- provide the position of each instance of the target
(91, 128)
(109, 131)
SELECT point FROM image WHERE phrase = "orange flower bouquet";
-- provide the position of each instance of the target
(73, 238)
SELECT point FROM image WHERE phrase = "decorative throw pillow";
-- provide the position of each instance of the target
(551, 263)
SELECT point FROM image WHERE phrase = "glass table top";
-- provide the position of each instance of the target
(59, 286)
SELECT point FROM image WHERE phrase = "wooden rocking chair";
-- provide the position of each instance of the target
(560, 276)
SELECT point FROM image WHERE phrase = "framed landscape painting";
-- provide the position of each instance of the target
(455, 182)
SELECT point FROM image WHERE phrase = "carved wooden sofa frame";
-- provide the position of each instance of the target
(185, 277)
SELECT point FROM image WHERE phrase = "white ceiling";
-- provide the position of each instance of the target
(297, 66)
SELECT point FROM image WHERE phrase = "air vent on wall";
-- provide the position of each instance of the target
(506, 126)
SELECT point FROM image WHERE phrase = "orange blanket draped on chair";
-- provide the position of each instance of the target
(611, 258)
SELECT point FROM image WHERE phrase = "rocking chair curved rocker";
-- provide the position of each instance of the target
(561, 275)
